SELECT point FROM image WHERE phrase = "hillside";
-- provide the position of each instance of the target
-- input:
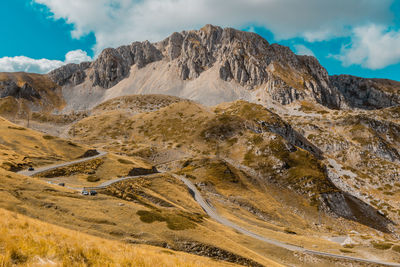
(26, 241)
(32, 91)
(241, 154)
(270, 141)
(22, 147)
(112, 214)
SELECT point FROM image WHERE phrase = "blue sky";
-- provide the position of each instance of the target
(358, 37)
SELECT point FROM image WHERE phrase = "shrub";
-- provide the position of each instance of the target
(289, 231)
(125, 161)
(72, 144)
(180, 221)
(16, 128)
(381, 245)
(346, 251)
(17, 257)
(92, 178)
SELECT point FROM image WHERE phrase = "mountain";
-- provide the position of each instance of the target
(211, 65)
(274, 146)
(214, 65)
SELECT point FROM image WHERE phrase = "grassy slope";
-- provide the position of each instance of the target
(19, 145)
(198, 131)
(203, 134)
(117, 217)
(27, 241)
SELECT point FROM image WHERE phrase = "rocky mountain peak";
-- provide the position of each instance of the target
(243, 58)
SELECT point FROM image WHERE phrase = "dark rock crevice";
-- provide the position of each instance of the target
(349, 207)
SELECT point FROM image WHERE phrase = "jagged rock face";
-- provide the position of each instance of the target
(367, 93)
(109, 68)
(235, 51)
(113, 65)
(10, 88)
(72, 73)
(242, 57)
(251, 61)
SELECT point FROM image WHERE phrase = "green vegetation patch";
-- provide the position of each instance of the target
(175, 221)
(223, 127)
(16, 128)
(345, 250)
(92, 178)
(381, 245)
(221, 171)
(48, 137)
(125, 161)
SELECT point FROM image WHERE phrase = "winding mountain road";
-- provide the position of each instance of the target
(214, 215)
(100, 186)
(208, 209)
(56, 166)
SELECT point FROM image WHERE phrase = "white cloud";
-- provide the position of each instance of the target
(303, 50)
(373, 47)
(26, 64)
(77, 56)
(117, 22)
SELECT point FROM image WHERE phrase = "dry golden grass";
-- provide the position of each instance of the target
(115, 218)
(8, 106)
(25, 241)
(22, 146)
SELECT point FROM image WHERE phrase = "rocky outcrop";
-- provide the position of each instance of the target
(109, 68)
(113, 65)
(367, 93)
(347, 206)
(70, 73)
(380, 137)
(10, 88)
(291, 135)
(142, 171)
(213, 252)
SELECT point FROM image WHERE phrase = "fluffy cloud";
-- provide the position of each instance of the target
(77, 56)
(303, 50)
(373, 47)
(116, 22)
(26, 64)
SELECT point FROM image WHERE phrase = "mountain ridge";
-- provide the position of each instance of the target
(211, 65)
(245, 58)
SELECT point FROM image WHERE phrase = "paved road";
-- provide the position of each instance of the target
(208, 209)
(52, 167)
(214, 215)
(101, 186)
